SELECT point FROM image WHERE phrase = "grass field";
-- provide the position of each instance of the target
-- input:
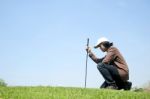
(40, 92)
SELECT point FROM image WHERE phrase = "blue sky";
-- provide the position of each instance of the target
(43, 41)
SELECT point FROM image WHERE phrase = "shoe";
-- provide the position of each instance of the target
(104, 85)
(113, 86)
(128, 85)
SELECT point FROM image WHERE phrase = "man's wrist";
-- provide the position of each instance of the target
(90, 54)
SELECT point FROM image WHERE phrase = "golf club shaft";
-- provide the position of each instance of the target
(86, 63)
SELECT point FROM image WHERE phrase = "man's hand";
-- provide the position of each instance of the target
(88, 49)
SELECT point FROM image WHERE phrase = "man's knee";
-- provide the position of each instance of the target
(100, 66)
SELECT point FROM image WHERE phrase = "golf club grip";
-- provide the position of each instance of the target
(87, 42)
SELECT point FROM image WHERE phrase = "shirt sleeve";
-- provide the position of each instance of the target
(110, 56)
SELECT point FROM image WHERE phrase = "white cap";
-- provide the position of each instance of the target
(100, 40)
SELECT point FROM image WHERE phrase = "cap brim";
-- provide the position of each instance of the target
(98, 45)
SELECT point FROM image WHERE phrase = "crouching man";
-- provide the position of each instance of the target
(113, 66)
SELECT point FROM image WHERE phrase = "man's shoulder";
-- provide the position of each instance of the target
(112, 48)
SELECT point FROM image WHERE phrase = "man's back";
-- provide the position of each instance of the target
(113, 55)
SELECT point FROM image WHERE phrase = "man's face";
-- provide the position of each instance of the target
(102, 47)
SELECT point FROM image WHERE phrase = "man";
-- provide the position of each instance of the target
(113, 66)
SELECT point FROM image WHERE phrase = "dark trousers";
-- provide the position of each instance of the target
(110, 74)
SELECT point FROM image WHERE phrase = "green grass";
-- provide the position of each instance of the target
(41, 92)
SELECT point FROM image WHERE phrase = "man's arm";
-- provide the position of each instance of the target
(94, 58)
